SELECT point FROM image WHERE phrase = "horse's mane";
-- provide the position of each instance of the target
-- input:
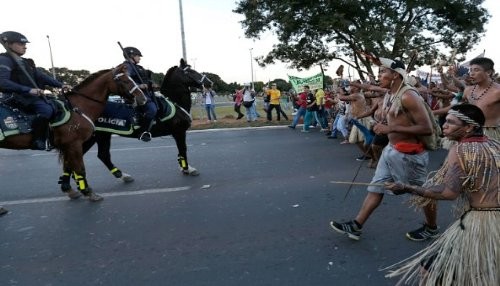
(91, 78)
(170, 72)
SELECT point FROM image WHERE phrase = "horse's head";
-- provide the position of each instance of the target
(126, 86)
(192, 77)
(177, 83)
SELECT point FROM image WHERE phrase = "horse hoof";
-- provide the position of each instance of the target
(127, 178)
(191, 171)
(72, 194)
(93, 197)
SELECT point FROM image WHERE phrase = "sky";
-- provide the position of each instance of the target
(85, 35)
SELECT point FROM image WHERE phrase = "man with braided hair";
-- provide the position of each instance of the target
(485, 94)
(468, 252)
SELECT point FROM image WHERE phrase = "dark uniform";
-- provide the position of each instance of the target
(142, 77)
(18, 76)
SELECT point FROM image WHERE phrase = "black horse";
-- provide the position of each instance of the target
(173, 119)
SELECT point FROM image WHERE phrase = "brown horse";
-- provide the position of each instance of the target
(87, 101)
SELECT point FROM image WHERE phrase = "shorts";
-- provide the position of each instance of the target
(394, 166)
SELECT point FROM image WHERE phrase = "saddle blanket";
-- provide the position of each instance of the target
(14, 121)
(122, 119)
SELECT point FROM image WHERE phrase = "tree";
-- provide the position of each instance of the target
(311, 32)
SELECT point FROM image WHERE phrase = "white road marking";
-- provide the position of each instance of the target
(106, 195)
(115, 150)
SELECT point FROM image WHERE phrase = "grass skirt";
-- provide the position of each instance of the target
(492, 132)
(469, 256)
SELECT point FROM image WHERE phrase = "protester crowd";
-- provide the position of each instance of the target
(395, 122)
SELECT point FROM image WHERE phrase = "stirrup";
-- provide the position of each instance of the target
(145, 136)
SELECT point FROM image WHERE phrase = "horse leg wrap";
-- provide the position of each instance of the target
(82, 184)
(65, 183)
(182, 162)
(117, 173)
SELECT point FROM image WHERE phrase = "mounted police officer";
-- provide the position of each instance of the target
(20, 77)
(143, 77)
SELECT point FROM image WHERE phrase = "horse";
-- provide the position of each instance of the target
(82, 106)
(176, 98)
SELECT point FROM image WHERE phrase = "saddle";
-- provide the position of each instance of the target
(123, 119)
(14, 120)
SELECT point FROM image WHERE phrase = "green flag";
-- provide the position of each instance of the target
(314, 82)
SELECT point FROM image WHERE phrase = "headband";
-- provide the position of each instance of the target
(463, 117)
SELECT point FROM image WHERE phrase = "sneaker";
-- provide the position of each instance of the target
(324, 130)
(305, 131)
(291, 126)
(3, 211)
(363, 158)
(423, 233)
(350, 228)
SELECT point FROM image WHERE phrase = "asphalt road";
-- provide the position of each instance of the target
(257, 215)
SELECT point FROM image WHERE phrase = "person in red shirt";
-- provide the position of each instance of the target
(301, 100)
(238, 99)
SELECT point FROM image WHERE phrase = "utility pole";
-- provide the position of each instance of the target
(51, 59)
(182, 32)
(251, 67)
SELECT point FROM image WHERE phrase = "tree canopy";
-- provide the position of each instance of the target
(313, 32)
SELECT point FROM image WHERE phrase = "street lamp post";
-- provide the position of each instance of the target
(251, 66)
(182, 32)
(51, 59)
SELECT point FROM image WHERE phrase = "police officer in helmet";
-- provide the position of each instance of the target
(20, 77)
(143, 78)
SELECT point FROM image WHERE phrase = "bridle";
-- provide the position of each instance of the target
(116, 79)
(186, 70)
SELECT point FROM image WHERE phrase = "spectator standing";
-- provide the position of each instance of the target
(249, 102)
(238, 99)
(209, 99)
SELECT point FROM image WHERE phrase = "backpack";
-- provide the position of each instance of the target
(431, 142)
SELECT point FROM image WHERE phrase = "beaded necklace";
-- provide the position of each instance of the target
(482, 94)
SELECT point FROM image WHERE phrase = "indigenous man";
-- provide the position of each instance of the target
(485, 94)
(406, 118)
(360, 133)
(468, 252)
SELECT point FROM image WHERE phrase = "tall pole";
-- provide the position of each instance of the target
(51, 59)
(182, 32)
(251, 66)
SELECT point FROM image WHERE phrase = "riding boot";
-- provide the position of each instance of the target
(40, 127)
